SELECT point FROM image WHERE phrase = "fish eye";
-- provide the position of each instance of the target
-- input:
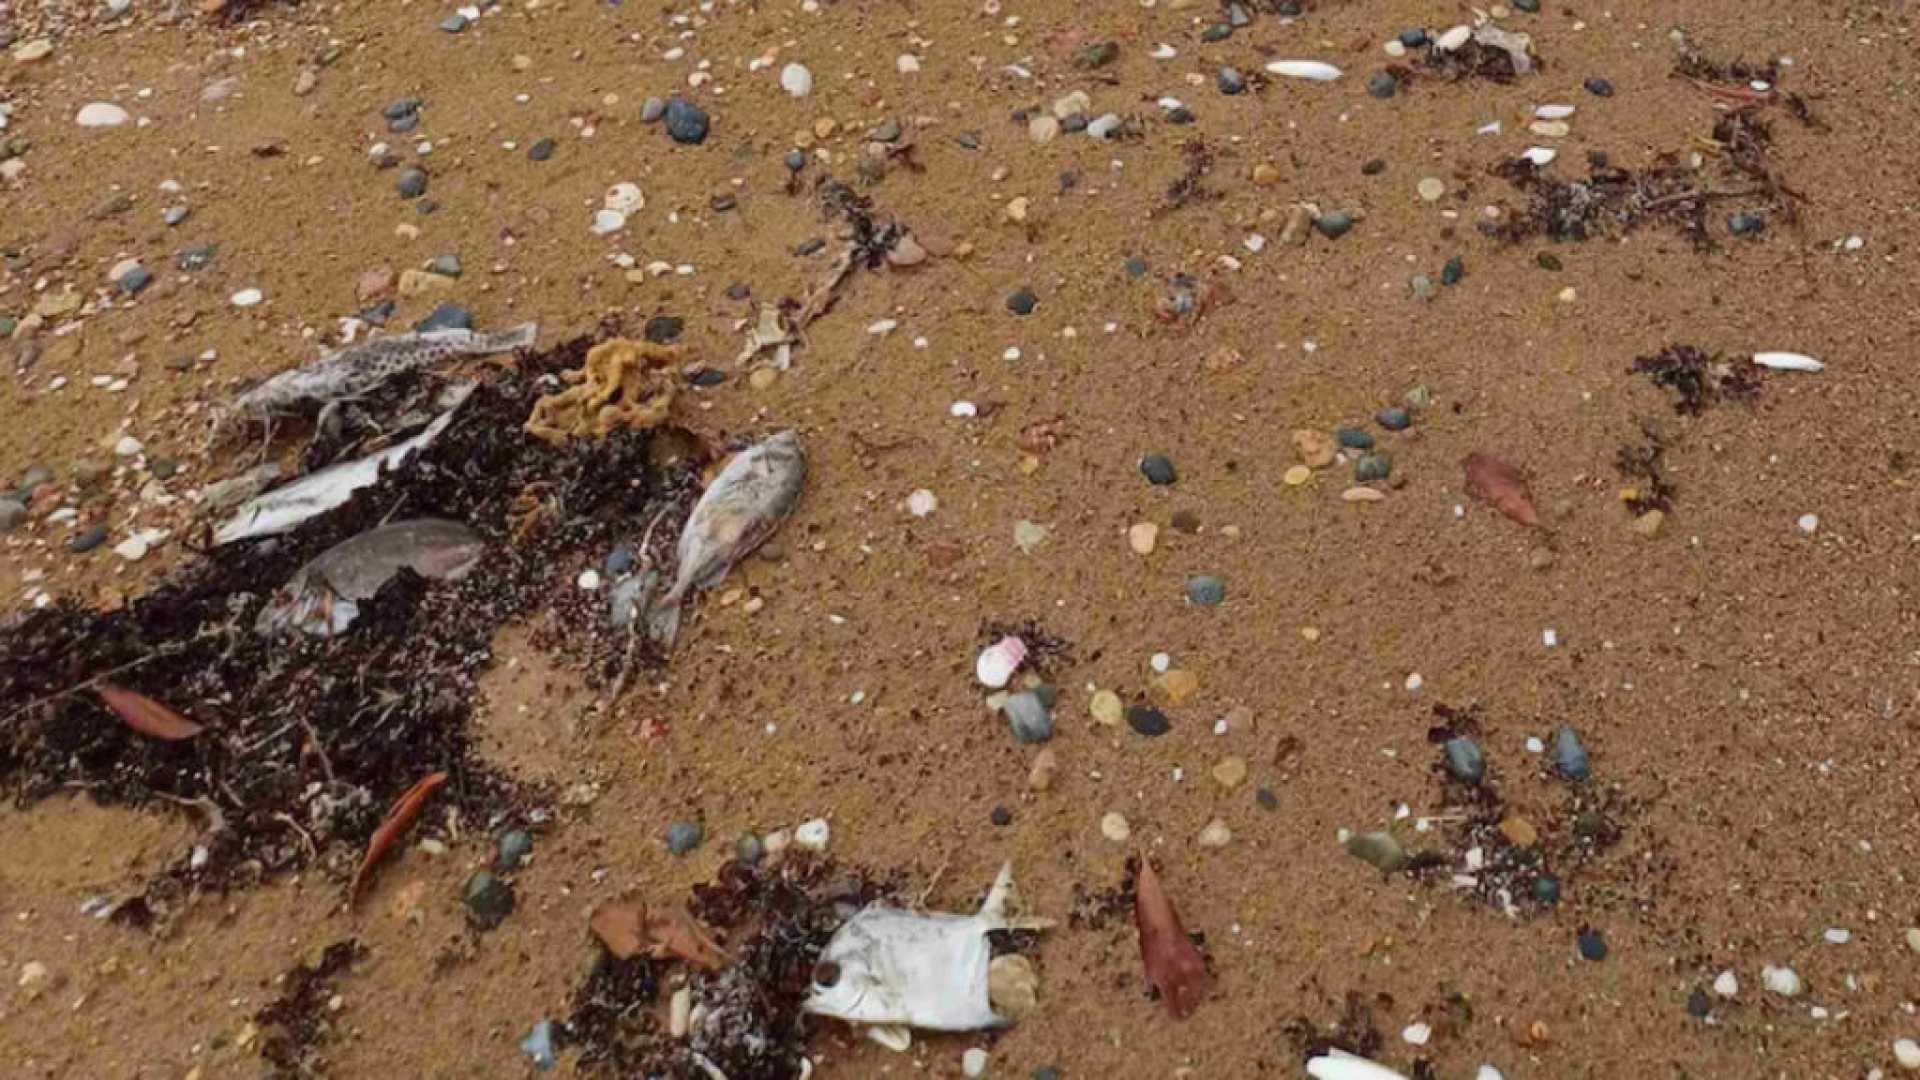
(826, 973)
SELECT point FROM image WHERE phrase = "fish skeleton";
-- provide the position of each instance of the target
(323, 597)
(358, 369)
(743, 506)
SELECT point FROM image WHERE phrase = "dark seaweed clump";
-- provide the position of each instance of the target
(295, 1024)
(1697, 379)
(309, 742)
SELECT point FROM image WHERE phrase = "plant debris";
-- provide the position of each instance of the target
(1501, 486)
(295, 1023)
(1174, 966)
(1699, 379)
(398, 819)
(630, 928)
(147, 716)
(1491, 53)
(1189, 186)
(1645, 465)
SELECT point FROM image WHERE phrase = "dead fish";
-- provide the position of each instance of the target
(743, 506)
(316, 493)
(323, 597)
(893, 970)
(359, 369)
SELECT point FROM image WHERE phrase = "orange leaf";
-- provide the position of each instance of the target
(1174, 966)
(147, 716)
(1504, 487)
(405, 809)
(630, 928)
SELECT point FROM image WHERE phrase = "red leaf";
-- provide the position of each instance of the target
(630, 928)
(147, 716)
(1174, 966)
(1501, 485)
(398, 819)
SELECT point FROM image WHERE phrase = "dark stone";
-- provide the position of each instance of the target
(1149, 721)
(401, 125)
(412, 183)
(796, 161)
(1569, 757)
(1335, 225)
(739, 290)
(1136, 267)
(663, 329)
(618, 561)
(448, 316)
(489, 900)
(1158, 469)
(1373, 167)
(454, 23)
(686, 122)
(87, 539)
(1074, 123)
(514, 847)
(1383, 84)
(1698, 1004)
(1393, 418)
(707, 376)
(1414, 38)
(1592, 946)
(1021, 301)
(1531, 7)
(1028, 716)
(888, 131)
(541, 150)
(684, 836)
(749, 849)
(1001, 816)
(1372, 468)
(1455, 269)
(1746, 224)
(1216, 33)
(445, 265)
(1230, 81)
(1181, 115)
(163, 468)
(1598, 87)
(403, 107)
(378, 314)
(1546, 889)
(1098, 54)
(1267, 799)
(1547, 261)
(968, 140)
(1353, 438)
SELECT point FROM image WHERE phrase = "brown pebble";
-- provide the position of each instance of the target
(1046, 764)
(1176, 686)
(1650, 523)
(1230, 772)
(1519, 832)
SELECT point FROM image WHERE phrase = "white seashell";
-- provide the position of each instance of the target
(625, 197)
(1164, 52)
(1781, 980)
(1454, 38)
(1553, 112)
(1340, 1065)
(1541, 155)
(608, 221)
(999, 661)
(101, 114)
(1788, 361)
(1304, 69)
(1550, 129)
(795, 79)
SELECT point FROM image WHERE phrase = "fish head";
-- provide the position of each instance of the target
(886, 966)
(308, 606)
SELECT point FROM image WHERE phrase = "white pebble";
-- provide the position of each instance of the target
(907, 64)
(1541, 155)
(1453, 38)
(1255, 242)
(1104, 125)
(1160, 662)
(625, 197)
(1907, 1053)
(883, 327)
(1310, 70)
(1809, 522)
(974, 1061)
(1216, 835)
(1164, 52)
(1415, 682)
(964, 409)
(922, 502)
(1535, 746)
(101, 114)
(1838, 935)
(813, 835)
(246, 298)
(128, 446)
(1726, 984)
(1549, 637)
(1553, 112)
(795, 79)
(1417, 1034)
(1488, 1072)
(1781, 980)
(1788, 361)
(589, 580)
(1114, 827)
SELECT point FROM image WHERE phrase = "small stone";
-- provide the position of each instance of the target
(1028, 716)
(686, 122)
(1230, 772)
(445, 266)
(1726, 984)
(1650, 523)
(1598, 87)
(1528, 6)
(1913, 939)
(1043, 128)
(1028, 536)
(1455, 269)
(1315, 449)
(1215, 835)
(1148, 721)
(762, 378)
(1379, 850)
(13, 514)
(538, 1046)
(1230, 81)
(101, 114)
(1001, 816)
(1335, 225)
(134, 280)
(1546, 890)
(445, 317)
(1519, 832)
(795, 79)
(1413, 38)
(652, 110)
(194, 258)
(749, 849)
(1046, 766)
(1158, 469)
(1431, 188)
(1021, 302)
(1382, 84)
(1907, 1053)
(411, 184)
(1265, 174)
(1422, 287)
(1464, 760)
(1699, 1005)
(454, 23)
(1176, 685)
(888, 131)
(1363, 494)
(1782, 980)
(1114, 827)
(541, 150)
(1141, 537)
(973, 1063)
(1105, 125)
(1106, 708)
(663, 329)
(1353, 438)
(684, 836)
(1393, 418)
(812, 835)
(1216, 33)
(1569, 757)
(1746, 224)
(1095, 55)
(1373, 467)
(514, 847)
(488, 899)
(174, 215)
(87, 539)
(1206, 590)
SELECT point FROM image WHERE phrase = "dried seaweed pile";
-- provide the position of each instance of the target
(1699, 379)
(775, 920)
(295, 1023)
(307, 742)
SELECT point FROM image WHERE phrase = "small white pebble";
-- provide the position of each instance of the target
(1549, 638)
(1415, 682)
(907, 64)
(589, 580)
(1160, 661)
(1838, 935)
(974, 1062)
(1809, 522)
(1781, 980)
(922, 502)
(964, 409)
(813, 835)
(1255, 242)
(1417, 1034)
(1488, 1072)
(1907, 1053)
(1114, 827)
(247, 298)
(1726, 984)
(1535, 746)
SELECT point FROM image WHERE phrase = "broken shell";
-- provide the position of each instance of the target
(1013, 987)
(624, 198)
(1337, 1064)
(1788, 361)
(1454, 38)
(1312, 70)
(813, 835)
(999, 661)
(1553, 112)
(1541, 156)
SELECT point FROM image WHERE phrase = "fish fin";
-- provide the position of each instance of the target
(895, 1037)
(1001, 896)
(663, 622)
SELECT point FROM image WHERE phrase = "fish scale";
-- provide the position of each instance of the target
(358, 369)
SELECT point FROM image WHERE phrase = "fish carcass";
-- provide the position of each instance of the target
(323, 597)
(891, 970)
(743, 506)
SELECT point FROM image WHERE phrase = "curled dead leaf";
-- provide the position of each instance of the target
(404, 811)
(1174, 966)
(147, 716)
(1501, 486)
(629, 928)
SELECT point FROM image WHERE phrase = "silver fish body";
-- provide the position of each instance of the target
(743, 506)
(323, 597)
(359, 369)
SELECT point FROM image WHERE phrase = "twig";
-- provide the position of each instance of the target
(287, 820)
(1689, 196)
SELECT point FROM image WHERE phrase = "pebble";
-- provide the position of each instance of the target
(1106, 708)
(1907, 1053)
(1363, 494)
(1382, 84)
(1598, 87)
(1455, 269)
(1464, 760)
(488, 899)
(1230, 81)
(1206, 590)
(445, 265)
(1098, 54)
(1431, 188)
(1528, 6)
(974, 1062)
(1353, 438)
(1216, 33)
(174, 215)
(684, 836)
(1913, 938)
(194, 258)
(1142, 536)
(795, 79)
(1267, 799)
(87, 539)
(1001, 816)
(1726, 984)
(512, 850)
(445, 317)
(1417, 1034)
(538, 1046)
(1569, 757)
(1394, 418)
(412, 183)
(1519, 831)
(1699, 1005)
(1043, 128)
(1104, 125)
(454, 23)
(749, 849)
(813, 835)
(1114, 827)
(1546, 889)
(1158, 469)
(1335, 225)
(1746, 224)
(1422, 287)
(1373, 467)
(1215, 835)
(686, 122)
(1296, 475)
(1046, 765)
(101, 114)
(1379, 850)
(1781, 980)
(1021, 301)
(652, 110)
(1028, 716)
(1315, 448)
(1230, 772)
(1027, 535)
(1592, 946)
(134, 280)
(541, 150)
(1650, 523)
(922, 502)
(1148, 721)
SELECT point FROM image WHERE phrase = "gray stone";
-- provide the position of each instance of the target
(412, 183)
(1465, 762)
(515, 846)
(12, 515)
(1028, 716)
(684, 836)
(1206, 590)
(87, 539)
(488, 899)
(686, 122)
(652, 110)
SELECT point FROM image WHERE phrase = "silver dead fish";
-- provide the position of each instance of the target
(893, 970)
(323, 597)
(357, 370)
(743, 506)
(316, 493)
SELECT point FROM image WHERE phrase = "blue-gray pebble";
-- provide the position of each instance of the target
(1158, 469)
(652, 110)
(447, 316)
(686, 122)
(1206, 590)
(1465, 762)
(1373, 467)
(1569, 757)
(1394, 418)
(1027, 715)
(1353, 438)
(515, 846)
(684, 836)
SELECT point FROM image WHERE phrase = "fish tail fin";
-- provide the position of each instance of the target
(663, 621)
(500, 341)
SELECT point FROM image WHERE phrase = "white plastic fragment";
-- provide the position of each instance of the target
(1726, 984)
(1311, 70)
(1339, 1065)
(1788, 361)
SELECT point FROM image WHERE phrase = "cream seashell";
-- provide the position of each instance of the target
(1313, 70)
(999, 661)
(1788, 361)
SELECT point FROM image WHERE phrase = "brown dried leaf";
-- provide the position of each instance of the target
(630, 928)
(1502, 486)
(404, 811)
(147, 716)
(1174, 966)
